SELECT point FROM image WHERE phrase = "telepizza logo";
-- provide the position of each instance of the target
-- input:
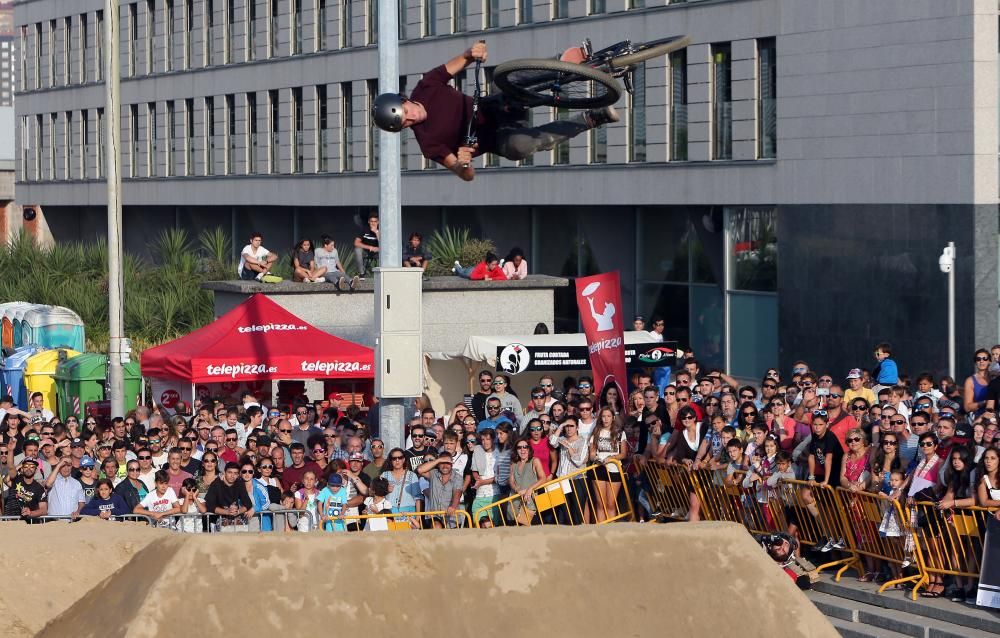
(326, 367)
(271, 327)
(237, 369)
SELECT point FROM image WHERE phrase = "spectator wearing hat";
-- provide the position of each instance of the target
(445, 486)
(638, 323)
(65, 496)
(31, 449)
(87, 475)
(856, 388)
(25, 495)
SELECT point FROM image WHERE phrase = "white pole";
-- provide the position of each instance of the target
(951, 311)
(391, 417)
(116, 284)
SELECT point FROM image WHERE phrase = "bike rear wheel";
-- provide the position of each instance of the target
(653, 49)
(537, 82)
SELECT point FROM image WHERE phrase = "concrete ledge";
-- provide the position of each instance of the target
(453, 308)
(452, 283)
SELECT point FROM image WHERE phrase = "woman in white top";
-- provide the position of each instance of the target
(573, 453)
(607, 444)
(988, 492)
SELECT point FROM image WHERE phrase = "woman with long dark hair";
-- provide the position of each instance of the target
(607, 444)
(974, 389)
(959, 483)
(526, 475)
(304, 263)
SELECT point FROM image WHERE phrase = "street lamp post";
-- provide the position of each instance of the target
(947, 264)
(116, 281)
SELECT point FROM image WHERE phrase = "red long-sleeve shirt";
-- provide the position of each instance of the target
(481, 271)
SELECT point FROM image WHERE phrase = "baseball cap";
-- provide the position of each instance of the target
(87, 461)
(855, 373)
(356, 456)
(638, 318)
(335, 396)
(45, 442)
(77, 442)
(335, 480)
(29, 459)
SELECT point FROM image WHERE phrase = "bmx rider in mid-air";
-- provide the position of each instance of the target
(439, 116)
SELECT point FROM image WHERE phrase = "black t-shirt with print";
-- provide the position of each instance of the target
(368, 238)
(23, 494)
(819, 448)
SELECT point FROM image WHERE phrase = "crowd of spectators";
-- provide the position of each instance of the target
(880, 431)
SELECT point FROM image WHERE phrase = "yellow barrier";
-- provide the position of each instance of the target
(399, 522)
(948, 542)
(572, 499)
(878, 528)
(669, 489)
(818, 521)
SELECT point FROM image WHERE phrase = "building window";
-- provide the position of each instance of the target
(297, 131)
(560, 9)
(678, 106)
(51, 53)
(371, 152)
(524, 11)
(150, 33)
(372, 13)
(767, 98)
(84, 142)
(68, 145)
(171, 138)
(347, 125)
(168, 53)
(274, 106)
(753, 252)
(599, 145)
(133, 37)
(189, 114)
(637, 116)
(430, 17)
(401, 23)
(460, 19)
(322, 126)
(38, 56)
(251, 29)
(68, 50)
(210, 135)
(296, 26)
(492, 18)
(38, 147)
(722, 102)
(598, 6)
(154, 138)
(133, 120)
(188, 32)
(272, 29)
(346, 24)
(751, 284)
(230, 32)
(636, 4)
(101, 139)
(560, 154)
(251, 133)
(321, 25)
(84, 50)
(209, 32)
(230, 132)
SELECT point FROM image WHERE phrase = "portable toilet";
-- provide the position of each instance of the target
(80, 380)
(39, 371)
(17, 318)
(53, 327)
(7, 322)
(13, 374)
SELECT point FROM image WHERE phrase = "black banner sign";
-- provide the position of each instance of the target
(516, 358)
(989, 579)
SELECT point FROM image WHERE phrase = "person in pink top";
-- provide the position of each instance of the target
(515, 266)
(174, 472)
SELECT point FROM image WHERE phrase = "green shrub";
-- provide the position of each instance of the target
(449, 245)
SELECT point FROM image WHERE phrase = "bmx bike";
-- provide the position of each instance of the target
(590, 84)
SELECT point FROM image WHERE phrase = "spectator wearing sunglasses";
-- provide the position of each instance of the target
(536, 408)
(501, 391)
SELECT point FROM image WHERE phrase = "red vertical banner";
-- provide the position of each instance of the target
(599, 298)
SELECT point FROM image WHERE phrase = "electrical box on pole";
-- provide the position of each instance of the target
(398, 323)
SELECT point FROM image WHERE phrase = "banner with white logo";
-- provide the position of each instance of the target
(989, 579)
(599, 298)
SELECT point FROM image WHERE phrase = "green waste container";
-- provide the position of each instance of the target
(81, 379)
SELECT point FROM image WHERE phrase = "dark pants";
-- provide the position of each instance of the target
(517, 140)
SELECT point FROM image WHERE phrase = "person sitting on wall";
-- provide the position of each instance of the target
(304, 264)
(515, 266)
(366, 245)
(328, 257)
(415, 255)
(488, 269)
(256, 261)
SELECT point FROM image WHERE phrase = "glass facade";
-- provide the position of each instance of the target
(752, 274)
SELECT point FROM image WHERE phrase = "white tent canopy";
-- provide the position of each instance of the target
(484, 349)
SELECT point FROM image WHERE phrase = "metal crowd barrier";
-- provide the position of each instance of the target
(39, 520)
(397, 522)
(878, 529)
(266, 521)
(669, 489)
(571, 499)
(948, 542)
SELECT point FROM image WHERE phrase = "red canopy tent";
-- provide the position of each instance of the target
(255, 341)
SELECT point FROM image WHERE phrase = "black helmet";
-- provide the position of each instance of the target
(387, 112)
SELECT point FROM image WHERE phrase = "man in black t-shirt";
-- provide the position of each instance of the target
(228, 498)
(366, 246)
(25, 496)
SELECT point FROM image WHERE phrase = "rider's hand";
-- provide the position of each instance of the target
(477, 52)
(465, 155)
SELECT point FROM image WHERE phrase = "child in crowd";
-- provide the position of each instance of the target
(486, 270)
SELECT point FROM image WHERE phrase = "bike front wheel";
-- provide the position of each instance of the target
(648, 50)
(537, 82)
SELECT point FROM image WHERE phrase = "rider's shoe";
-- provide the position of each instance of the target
(598, 117)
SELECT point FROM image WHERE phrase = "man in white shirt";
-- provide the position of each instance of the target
(256, 261)
(37, 412)
(586, 419)
(659, 325)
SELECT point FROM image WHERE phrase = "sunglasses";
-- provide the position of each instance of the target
(397, 458)
(981, 358)
(285, 431)
(918, 423)
(135, 469)
(770, 386)
(923, 406)
(493, 408)
(854, 439)
(746, 397)
(686, 399)
(898, 422)
(522, 447)
(227, 438)
(538, 396)
(545, 385)
(583, 386)
(486, 380)
(688, 417)
(586, 409)
(928, 444)
(267, 467)
(749, 414)
(819, 412)
(471, 441)
(498, 382)
(858, 408)
(246, 472)
(535, 428)
(145, 458)
(890, 443)
(834, 395)
(319, 451)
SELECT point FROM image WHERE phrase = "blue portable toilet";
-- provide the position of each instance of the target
(13, 374)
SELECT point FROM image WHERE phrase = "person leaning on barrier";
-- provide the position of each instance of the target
(105, 503)
(161, 502)
(227, 498)
(25, 496)
(445, 490)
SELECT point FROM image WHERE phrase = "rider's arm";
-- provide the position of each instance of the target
(470, 55)
(467, 173)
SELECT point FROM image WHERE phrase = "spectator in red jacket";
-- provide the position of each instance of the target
(488, 269)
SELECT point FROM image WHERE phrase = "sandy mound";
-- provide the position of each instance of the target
(47, 568)
(621, 580)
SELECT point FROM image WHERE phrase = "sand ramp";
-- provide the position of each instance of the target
(707, 579)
